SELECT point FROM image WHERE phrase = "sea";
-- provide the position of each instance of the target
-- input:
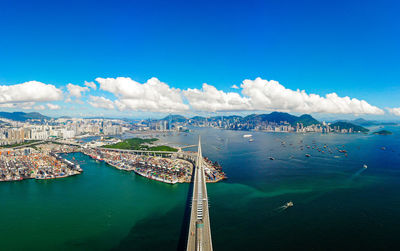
(338, 204)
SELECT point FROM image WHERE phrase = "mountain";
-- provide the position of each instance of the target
(364, 122)
(174, 118)
(198, 119)
(277, 117)
(22, 116)
(347, 125)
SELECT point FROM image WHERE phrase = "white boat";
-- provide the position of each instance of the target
(247, 136)
(365, 166)
(289, 204)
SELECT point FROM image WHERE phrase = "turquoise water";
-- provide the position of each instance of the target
(337, 203)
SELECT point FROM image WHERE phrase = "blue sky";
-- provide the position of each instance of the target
(347, 47)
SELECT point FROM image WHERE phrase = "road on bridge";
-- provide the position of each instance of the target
(199, 238)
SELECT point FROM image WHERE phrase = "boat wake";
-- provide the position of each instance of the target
(358, 173)
(284, 207)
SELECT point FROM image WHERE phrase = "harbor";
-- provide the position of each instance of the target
(20, 165)
(169, 170)
(45, 162)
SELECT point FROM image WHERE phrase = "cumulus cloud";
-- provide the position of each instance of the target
(394, 111)
(32, 91)
(271, 95)
(53, 106)
(91, 85)
(39, 107)
(101, 102)
(210, 99)
(76, 90)
(152, 96)
(234, 87)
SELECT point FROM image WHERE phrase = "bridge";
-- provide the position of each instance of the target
(199, 238)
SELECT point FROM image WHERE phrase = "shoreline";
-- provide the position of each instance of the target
(146, 175)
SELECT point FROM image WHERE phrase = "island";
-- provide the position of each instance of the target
(383, 132)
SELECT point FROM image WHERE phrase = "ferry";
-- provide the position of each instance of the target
(289, 204)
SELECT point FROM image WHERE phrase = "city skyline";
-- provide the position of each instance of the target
(100, 59)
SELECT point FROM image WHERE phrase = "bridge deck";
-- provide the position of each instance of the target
(199, 229)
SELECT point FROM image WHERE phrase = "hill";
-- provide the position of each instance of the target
(198, 119)
(383, 132)
(278, 117)
(174, 118)
(22, 116)
(140, 144)
(347, 126)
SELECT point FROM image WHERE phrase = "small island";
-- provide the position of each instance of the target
(383, 132)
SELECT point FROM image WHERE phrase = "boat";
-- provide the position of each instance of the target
(308, 155)
(365, 166)
(251, 140)
(271, 158)
(247, 136)
(289, 204)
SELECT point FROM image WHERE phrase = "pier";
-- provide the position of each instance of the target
(199, 236)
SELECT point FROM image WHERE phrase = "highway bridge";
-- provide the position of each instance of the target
(199, 236)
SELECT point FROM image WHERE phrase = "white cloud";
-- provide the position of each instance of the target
(234, 87)
(53, 106)
(76, 90)
(91, 85)
(394, 111)
(270, 95)
(212, 100)
(39, 107)
(23, 105)
(32, 91)
(152, 96)
(101, 102)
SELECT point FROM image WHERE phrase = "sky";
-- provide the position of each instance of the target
(138, 59)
